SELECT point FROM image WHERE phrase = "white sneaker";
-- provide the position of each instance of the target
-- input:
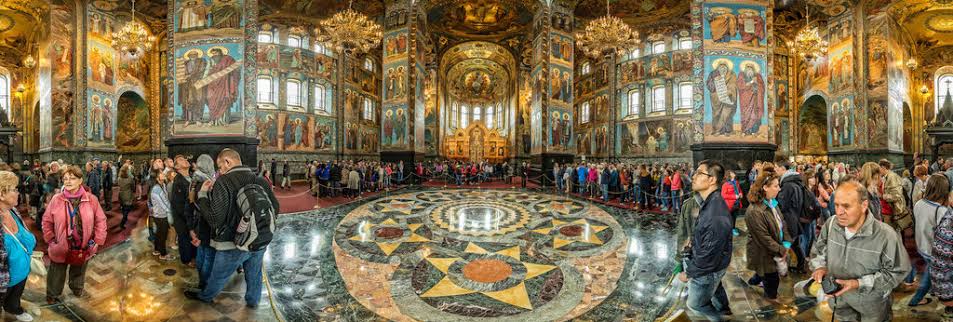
(26, 317)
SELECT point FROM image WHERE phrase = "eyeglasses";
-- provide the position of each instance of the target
(699, 172)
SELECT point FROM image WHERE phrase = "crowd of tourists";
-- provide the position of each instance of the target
(835, 230)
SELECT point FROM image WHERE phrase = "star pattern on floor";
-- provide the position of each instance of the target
(365, 234)
(405, 207)
(567, 232)
(516, 295)
(563, 207)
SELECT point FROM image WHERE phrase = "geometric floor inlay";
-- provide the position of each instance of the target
(472, 254)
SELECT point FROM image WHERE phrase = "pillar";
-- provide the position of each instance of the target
(734, 119)
(552, 78)
(212, 66)
(402, 113)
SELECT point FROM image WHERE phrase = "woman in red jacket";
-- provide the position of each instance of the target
(74, 226)
(732, 195)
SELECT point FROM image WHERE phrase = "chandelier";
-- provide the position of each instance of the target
(607, 35)
(133, 38)
(350, 31)
(808, 42)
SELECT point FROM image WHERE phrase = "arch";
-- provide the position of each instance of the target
(133, 133)
(812, 127)
(942, 87)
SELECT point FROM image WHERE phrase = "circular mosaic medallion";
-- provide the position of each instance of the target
(462, 255)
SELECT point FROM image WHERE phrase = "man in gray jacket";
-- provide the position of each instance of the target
(863, 255)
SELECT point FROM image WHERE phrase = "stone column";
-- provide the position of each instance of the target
(212, 66)
(734, 119)
(402, 111)
(552, 78)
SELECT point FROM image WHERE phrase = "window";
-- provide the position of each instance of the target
(944, 86)
(464, 116)
(453, 116)
(685, 95)
(585, 113)
(294, 41)
(265, 90)
(319, 98)
(685, 43)
(293, 92)
(635, 53)
(635, 102)
(319, 48)
(658, 47)
(489, 117)
(658, 99)
(369, 64)
(266, 37)
(586, 68)
(368, 112)
(477, 113)
(5, 94)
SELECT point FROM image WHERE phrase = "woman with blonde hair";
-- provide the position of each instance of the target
(74, 226)
(767, 246)
(16, 249)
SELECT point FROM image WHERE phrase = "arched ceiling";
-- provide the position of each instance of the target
(478, 72)
(926, 20)
(480, 19)
(633, 12)
(317, 9)
(21, 25)
(153, 12)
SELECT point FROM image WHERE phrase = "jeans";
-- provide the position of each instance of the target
(559, 183)
(925, 282)
(806, 238)
(677, 200)
(582, 187)
(707, 297)
(205, 256)
(605, 192)
(665, 200)
(459, 179)
(225, 264)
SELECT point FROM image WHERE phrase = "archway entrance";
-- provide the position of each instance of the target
(133, 131)
(812, 127)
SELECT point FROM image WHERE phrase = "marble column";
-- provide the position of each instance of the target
(733, 121)
(402, 111)
(551, 107)
(213, 77)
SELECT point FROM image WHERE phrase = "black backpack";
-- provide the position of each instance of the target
(810, 208)
(257, 224)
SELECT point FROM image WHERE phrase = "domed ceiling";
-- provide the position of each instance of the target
(317, 8)
(480, 19)
(631, 11)
(478, 72)
(20, 27)
(926, 19)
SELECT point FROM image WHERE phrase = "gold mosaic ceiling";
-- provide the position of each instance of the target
(633, 12)
(478, 72)
(926, 19)
(20, 27)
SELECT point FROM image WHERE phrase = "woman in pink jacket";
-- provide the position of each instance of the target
(74, 226)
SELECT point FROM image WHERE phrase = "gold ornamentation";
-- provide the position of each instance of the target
(606, 35)
(133, 38)
(351, 31)
(808, 42)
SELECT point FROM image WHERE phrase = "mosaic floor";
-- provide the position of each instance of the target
(439, 255)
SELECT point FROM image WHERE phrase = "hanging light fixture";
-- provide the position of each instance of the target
(29, 62)
(133, 38)
(808, 42)
(350, 31)
(607, 35)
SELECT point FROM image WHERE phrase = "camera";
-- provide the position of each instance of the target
(830, 286)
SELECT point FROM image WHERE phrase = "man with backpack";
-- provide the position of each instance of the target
(799, 208)
(240, 209)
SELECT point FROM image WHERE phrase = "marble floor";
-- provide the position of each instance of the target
(435, 254)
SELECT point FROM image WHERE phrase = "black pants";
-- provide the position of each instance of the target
(11, 299)
(125, 214)
(162, 233)
(799, 255)
(771, 282)
(56, 276)
(107, 199)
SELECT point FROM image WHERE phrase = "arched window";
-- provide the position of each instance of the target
(265, 90)
(368, 112)
(266, 36)
(658, 99)
(658, 47)
(5, 94)
(369, 64)
(319, 98)
(685, 43)
(453, 116)
(584, 114)
(477, 113)
(635, 102)
(464, 116)
(294, 41)
(319, 48)
(586, 68)
(635, 53)
(685, 95)
(944, 89)
(489, 117)
(293, 92)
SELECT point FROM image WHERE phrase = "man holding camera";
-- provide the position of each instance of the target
(861, 258)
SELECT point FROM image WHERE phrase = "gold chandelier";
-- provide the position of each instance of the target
(133, 38)
(808, 42)
(350, 31)
(607, 35)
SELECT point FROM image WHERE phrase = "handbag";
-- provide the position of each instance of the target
(36, 257)
(75, 255)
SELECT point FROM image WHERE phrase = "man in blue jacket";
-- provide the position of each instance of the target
(710, 246)
(583, 173)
